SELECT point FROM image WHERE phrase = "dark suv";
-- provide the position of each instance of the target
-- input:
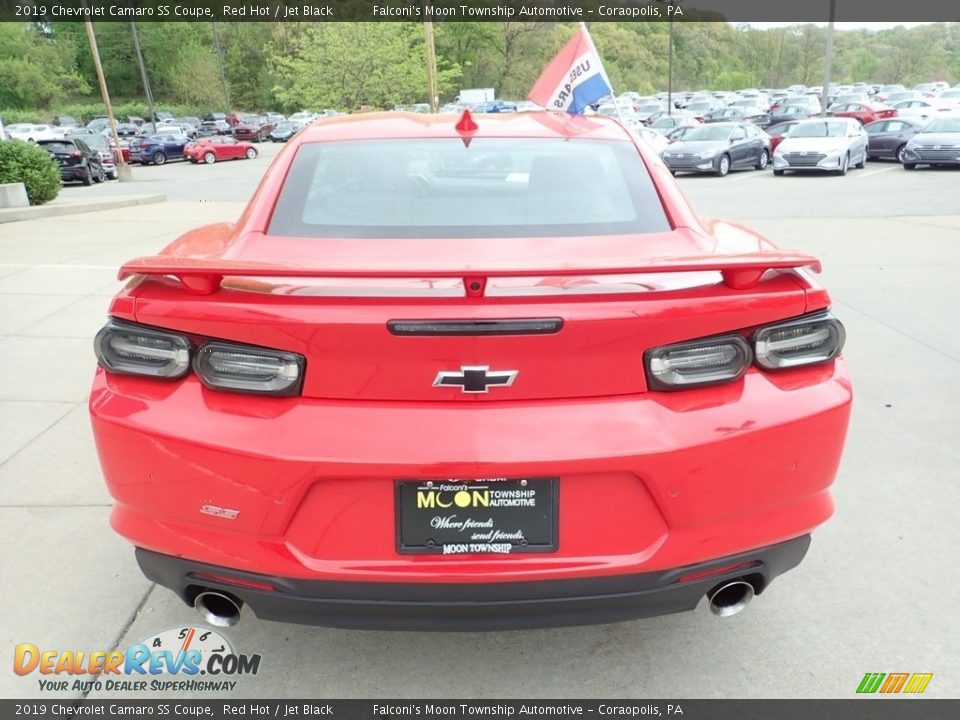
(253, 129)
(77, 160)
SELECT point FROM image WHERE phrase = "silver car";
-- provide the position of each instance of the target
(936, 145)
(822, 145)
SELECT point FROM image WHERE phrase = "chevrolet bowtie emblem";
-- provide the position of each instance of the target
(475, 378)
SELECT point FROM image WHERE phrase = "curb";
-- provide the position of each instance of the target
(44, 211)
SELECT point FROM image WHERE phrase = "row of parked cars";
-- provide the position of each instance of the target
(716, 132)
(829, 144)
(88, 154)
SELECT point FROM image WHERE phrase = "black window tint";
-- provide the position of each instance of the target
(57, 146)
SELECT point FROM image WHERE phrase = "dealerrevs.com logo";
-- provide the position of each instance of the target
(894, 683)
(172, 660)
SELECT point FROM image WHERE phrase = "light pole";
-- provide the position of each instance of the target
(828, 61)
(143, 73)
(223, 77)
(431, 57)
(124, 173)
(670, 66)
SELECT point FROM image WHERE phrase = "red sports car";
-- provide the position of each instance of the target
(469, 373)
(864, 112)
(218, 147)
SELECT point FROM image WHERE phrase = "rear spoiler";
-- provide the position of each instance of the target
(203, 276)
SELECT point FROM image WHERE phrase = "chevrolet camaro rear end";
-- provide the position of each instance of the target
(469, 375)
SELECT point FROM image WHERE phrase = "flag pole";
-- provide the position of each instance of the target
(593, 47)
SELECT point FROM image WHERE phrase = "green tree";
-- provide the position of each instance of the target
(349, 65)
(35, 70)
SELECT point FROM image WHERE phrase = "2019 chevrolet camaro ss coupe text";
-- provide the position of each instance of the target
(469, 373)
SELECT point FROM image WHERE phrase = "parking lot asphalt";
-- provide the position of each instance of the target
(878, 591)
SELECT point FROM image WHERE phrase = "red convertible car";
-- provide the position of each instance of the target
(218, 147)
(469, 373)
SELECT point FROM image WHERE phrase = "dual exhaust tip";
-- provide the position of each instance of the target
(222, 609)
(730, 598)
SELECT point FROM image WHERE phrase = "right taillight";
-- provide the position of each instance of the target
(807, 340)
(804, 341)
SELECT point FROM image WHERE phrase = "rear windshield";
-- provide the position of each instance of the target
(820, 129)
(57, 146)
(492, 187)
(97, 141)
(709, 132)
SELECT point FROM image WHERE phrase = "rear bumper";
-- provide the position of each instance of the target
(706, 166)
(73, 172)
(307, 486)
(473, 606)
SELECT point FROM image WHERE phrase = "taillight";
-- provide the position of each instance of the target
(128, 349)
(698, 362)
(807, 340)
(244, 368)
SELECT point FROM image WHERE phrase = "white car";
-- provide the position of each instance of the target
(34, 133)
(950, 97)
(822, 145)
(653, 139)
(303, 117)
(921, 109)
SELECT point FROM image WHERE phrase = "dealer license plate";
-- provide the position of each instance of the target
(491, 516)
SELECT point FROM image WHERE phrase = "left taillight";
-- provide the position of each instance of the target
(699, 362)
(128, 349)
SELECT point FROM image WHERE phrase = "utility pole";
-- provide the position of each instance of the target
(828, 61)
(431, 57)
(223, 77)
(124, 174)
(670, 68)
(431, 66)
(143, 74)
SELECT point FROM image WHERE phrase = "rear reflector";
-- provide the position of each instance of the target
(723, 569)
(237, 582)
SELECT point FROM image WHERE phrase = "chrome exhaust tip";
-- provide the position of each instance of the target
(217, 608)
(730, 598)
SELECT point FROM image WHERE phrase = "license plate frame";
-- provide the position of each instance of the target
(505, 513)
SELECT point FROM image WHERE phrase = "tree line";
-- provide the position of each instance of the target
(295, 65)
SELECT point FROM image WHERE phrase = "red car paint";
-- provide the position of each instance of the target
(649, 481)
(221, 147)
(776, 132)
(864, 112)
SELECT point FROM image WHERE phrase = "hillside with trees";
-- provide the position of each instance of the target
(289, 66)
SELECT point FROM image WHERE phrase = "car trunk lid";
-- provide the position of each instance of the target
(548, 320)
